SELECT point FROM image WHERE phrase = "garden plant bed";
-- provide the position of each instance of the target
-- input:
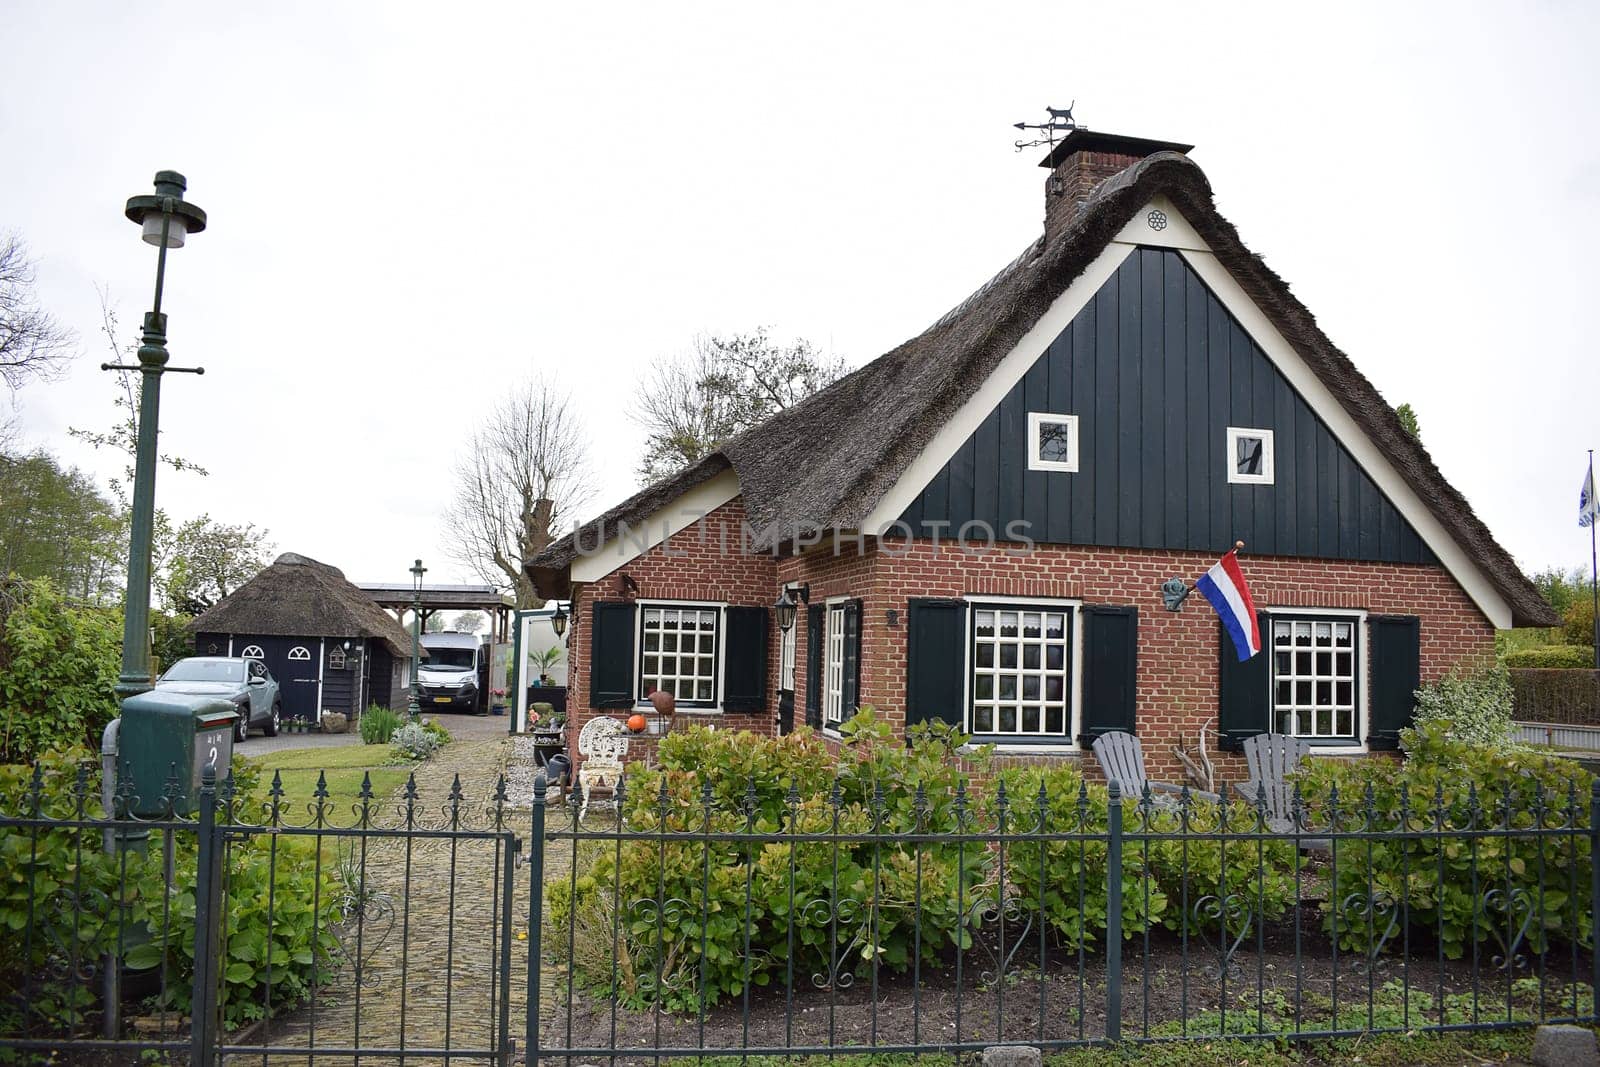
(1167, 991)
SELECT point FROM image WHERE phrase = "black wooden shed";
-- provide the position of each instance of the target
(330, 647)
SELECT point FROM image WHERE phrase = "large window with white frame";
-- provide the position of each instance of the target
(833, 668)
(1316, 677)
(679, 652)
(1021, 672)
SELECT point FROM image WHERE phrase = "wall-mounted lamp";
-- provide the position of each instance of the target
(1174, 591)
(629, 586)
(558, 621)
(788, 604)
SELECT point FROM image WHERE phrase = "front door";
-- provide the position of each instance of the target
(295, 663)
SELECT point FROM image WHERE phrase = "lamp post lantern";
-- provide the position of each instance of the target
(167, 220)
(414, 708)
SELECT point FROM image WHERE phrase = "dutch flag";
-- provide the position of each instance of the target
(1225, 587)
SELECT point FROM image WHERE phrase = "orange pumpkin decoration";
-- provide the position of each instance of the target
(636, 723)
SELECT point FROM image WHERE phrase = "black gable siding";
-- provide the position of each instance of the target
(1156, 370)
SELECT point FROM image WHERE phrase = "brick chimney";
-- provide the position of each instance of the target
(1082, 161)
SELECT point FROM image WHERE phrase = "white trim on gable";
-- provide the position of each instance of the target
(1367, 454)
(640, 537)
(1160, 225)
(937, 452)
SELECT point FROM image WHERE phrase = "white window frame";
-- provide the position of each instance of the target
(833, 664)
(1268, 456)
(1066, 744)
(1363, 696)
(719, 661)
(1036, 421)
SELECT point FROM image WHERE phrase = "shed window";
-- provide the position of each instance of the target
(1250, 459)
(1052, 442)
(1315, 677)
(678, 647)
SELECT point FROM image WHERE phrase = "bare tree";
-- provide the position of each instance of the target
(691, 404)
(523, 478)
(33, 345)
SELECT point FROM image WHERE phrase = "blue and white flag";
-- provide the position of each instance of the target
(1587, 509)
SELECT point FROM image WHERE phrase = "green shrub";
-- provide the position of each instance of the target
(1456, 887)
(434, 729)
(1550, 657)
(413, 742)
(58, 667)
(1577, 622)
(1477, 705)
(156, 923)
(378, 725)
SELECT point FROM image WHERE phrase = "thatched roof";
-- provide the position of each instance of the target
(825, 462)
(299, 597)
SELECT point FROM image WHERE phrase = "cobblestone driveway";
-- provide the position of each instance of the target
(430, 981)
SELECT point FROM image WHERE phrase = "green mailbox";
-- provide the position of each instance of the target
(163, 733)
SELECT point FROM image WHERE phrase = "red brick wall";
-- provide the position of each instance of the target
(1177, 672)
(704, 561)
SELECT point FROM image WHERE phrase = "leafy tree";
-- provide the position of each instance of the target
(1408, 419)
(1561, 587)
(55, 524)
(523, 476)
(691, 404)
(58, 669)
(207, 560)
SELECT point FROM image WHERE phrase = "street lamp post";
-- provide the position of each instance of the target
(414, 709)
(167, 220)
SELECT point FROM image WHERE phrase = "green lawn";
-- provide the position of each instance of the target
(346, 767)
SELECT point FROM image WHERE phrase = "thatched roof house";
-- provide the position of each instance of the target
(327, 643)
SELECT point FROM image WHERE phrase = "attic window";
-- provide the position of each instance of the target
(1052, 442)
(1250, 460)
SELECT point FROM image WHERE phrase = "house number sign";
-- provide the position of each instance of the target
(213, 748)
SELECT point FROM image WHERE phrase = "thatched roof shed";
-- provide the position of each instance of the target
(299, 597)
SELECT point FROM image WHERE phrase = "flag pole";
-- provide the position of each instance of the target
(1594, 590)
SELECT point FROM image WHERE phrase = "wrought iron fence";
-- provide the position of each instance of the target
(261, 925)
(784, 925)
(710, 918)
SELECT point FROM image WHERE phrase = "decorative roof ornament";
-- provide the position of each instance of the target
(1050, 133)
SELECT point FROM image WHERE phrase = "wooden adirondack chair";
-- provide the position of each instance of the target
(1272, 759)
(1121, 759)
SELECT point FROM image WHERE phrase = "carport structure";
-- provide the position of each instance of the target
(398, 597)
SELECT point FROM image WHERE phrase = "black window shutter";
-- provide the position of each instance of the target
(850, 697)
(744, 686)
(1110, 670)
(611, 654)
(1396, 676)
(1244, 688)
(936, 634)
(814, 666)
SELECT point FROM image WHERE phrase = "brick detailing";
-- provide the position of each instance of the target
(1073, 179)
(1177, 672)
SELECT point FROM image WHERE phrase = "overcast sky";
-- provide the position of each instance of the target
(413, 206)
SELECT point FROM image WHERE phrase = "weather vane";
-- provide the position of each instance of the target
(1061, 122)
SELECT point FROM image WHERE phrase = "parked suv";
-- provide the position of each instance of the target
(246, 682)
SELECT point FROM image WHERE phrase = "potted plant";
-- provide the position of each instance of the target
(497, 701)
